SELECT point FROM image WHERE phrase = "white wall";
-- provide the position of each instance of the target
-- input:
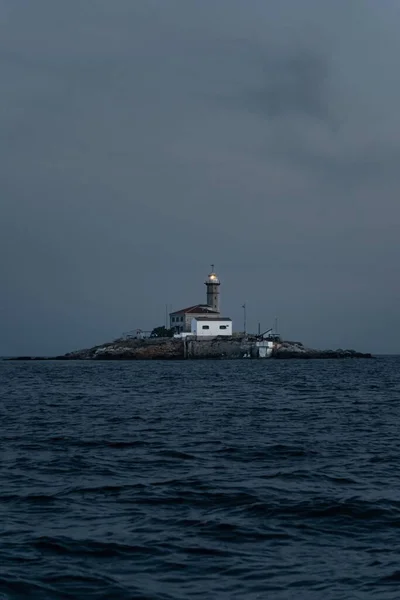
(183, 322)
(265, 348)
(211, 328)
(183, 334)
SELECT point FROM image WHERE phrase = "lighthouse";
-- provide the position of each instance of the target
(212, 283)
(203, 319)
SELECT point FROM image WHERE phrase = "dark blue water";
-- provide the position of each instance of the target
(184, 480)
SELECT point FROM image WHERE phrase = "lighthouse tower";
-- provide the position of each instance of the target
(212, 283)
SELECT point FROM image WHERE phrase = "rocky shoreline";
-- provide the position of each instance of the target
(297, 350)
(237, 347)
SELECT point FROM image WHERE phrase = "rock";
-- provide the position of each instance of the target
(131, 349)
(235, 347)
(296, 350)
(24, 358)
(218, 348)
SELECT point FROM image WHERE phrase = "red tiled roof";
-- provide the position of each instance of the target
(197, 309)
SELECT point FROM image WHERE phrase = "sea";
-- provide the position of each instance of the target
(249, 479)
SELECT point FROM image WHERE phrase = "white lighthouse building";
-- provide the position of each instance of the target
(203, 319)
(212, 283)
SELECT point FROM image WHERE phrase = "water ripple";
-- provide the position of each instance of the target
(235, 480)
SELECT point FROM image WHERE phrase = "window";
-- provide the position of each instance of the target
(222, 327)
(173, 319)
(205, 327)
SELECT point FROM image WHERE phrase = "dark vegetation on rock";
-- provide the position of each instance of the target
(162, 332)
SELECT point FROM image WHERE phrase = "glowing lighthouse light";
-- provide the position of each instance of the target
(212, 283)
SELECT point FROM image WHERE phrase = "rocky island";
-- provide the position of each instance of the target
(189, 348)
(200, 332)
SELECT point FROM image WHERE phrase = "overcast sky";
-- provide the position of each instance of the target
(143, 140)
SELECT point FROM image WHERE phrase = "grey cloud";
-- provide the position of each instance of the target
(296, 84)
(144, 140)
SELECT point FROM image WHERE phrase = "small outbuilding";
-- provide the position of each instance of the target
(211, 326)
